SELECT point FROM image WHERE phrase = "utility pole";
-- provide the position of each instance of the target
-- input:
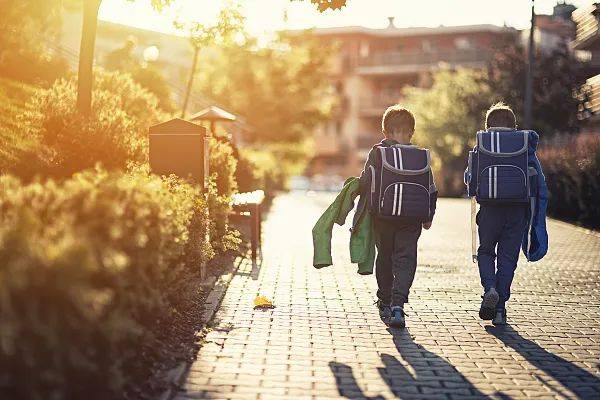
(530, 68)
(190, 84)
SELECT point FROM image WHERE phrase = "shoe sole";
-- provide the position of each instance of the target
(488, 306)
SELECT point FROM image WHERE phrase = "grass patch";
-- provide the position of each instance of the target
(13, 97)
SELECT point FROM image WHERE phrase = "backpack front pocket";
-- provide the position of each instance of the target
(405, 200)
(503, 182)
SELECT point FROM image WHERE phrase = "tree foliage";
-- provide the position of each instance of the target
(25, 28)
(447, 117)
(113, 135)
(557, 79)
(324, 5)
(281, 89)
(146, 74)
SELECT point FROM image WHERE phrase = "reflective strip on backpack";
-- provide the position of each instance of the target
(489, 183)
(395, 203)
(400, 166)
(495, 182)
(400, 201)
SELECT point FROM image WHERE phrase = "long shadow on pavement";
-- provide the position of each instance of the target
(427, 375)
(578, 380)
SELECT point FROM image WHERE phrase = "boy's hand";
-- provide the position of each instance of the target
(427, 225)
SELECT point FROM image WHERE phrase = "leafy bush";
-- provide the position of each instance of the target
(223, 185)
(572, 169)
(87, 268)
(113, 135)
(13, 97)
(31, 66)
(267, 168)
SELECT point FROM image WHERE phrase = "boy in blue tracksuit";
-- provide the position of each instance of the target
(501, 231)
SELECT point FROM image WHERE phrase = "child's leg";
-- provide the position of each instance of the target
(384, 241)
(509, 247)
(489, 221)
(404, 261)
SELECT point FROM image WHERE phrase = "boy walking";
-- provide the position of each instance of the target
(505, 181)
(398, 184)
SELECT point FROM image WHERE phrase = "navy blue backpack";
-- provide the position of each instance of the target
(499, 168)
(402, 186)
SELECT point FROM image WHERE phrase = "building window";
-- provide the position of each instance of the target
(427, 46)
(338, 128)
(462, 43)
(363, 50)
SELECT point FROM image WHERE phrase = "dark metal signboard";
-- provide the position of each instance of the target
(179, 147)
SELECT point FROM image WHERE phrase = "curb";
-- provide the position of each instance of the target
(176, 376)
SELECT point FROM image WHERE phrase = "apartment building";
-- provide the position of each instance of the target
(587, 40)
(370, 71)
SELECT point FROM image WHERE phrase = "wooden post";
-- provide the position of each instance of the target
(85, 78)
(254, 231)
(206, 183)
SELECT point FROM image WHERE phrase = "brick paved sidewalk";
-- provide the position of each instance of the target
(325, 339)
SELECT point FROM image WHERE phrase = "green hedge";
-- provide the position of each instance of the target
(223, 185)
(114, 134)
(88, 268)
(572, 170)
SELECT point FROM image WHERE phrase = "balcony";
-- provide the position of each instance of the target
(414, 62)
(587, 20)
(591, 109)
(365, 141)
(375, 105)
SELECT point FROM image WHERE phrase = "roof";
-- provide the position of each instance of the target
(213, 113)
(413, 31)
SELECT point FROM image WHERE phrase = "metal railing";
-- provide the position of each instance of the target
(377, 102)
(425, 58)
(587, 25)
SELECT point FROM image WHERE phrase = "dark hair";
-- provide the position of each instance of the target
(397, 119)
(500, 115)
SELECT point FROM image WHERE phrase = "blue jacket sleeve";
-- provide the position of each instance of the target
(535, 240)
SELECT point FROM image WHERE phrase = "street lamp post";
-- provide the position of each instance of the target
(530, 67)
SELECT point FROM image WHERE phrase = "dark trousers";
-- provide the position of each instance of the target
(501, 230)
(396, 259)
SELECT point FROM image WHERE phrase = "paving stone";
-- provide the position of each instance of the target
(325, 340)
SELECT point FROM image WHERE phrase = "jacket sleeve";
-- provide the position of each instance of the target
(433, 194)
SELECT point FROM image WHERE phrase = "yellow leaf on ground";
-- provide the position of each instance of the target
(262, 302)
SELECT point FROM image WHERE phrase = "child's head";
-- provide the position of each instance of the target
(398, 123)
(500, 116)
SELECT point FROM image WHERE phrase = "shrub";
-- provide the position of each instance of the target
(113, 135)
(223, 185)
(87, 268)
(572, 170)
(267, 171)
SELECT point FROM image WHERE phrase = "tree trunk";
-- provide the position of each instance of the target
(188, 90)
(86, 56)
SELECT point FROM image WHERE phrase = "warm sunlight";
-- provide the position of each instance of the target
(268, 15)
(299, 199)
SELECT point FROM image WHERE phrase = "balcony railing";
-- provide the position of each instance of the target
(425, 58)
(376, 104)
(366, 140)
(587, 27)
(593, 84)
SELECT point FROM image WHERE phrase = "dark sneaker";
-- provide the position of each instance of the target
(397, 319)
(384, 309)
(488, 304)
(500, 318)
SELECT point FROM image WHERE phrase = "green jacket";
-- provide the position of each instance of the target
(362, 237)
